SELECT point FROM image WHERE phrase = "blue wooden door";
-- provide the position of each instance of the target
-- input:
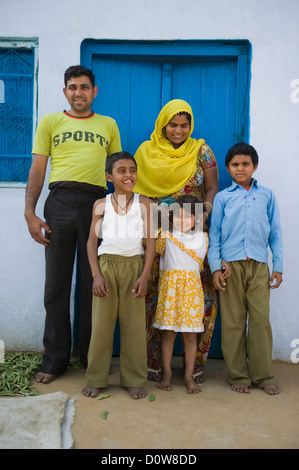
(16, 113)
(136, 79)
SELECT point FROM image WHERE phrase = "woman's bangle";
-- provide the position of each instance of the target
(209, 204)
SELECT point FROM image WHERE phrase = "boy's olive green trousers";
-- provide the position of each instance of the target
(121, 273)
(246, 335)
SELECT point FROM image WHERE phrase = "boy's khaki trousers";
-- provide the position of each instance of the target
(247, 352)
(121, 273)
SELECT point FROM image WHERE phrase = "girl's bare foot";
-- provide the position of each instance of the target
(272, 389)
(91, 392)
(136, 393)
(165, 383)
(43, 378)
(242, 388)
(191, 386)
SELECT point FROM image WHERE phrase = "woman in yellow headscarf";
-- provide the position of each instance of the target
(173, 163)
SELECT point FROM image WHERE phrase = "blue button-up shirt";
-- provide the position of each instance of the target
(243, 225)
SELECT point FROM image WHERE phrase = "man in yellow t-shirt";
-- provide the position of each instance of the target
(77, 142)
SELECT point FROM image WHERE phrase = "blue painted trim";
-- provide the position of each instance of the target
(18, 45)
(156, 49)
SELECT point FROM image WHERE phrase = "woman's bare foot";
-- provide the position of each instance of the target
(165, 383)
(43, 378)
(191, 386)
(242, 388)
(136, 393)
(272, 389)
(198, 376)
(154, 375)
(91, 392)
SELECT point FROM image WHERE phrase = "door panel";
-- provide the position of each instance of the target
(133, 92)
(136, 79)
(210, 88)
(124, 89)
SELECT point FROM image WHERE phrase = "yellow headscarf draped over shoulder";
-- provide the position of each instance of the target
(161, 169)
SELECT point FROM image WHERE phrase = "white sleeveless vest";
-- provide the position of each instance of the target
(122, 234)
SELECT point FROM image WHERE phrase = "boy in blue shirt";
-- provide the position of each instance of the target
(245, 221)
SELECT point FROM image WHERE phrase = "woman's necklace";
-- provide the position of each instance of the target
(123, 209)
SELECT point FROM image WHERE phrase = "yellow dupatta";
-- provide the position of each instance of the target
(161, 169)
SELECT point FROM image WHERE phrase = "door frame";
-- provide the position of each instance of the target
(181, 50)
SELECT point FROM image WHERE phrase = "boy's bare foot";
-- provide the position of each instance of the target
(43, 378)
(191, 386)
(91, 392)
(242, 388)
(272, 389)
(165, 383)
(136, 393)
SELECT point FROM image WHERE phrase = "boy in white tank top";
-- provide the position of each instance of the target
(120, 268)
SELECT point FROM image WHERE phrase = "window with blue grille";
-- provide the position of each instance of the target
(16, 113)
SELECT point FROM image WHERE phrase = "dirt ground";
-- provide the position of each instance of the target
(216, 418)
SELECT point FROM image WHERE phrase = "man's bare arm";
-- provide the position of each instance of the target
(34, 187)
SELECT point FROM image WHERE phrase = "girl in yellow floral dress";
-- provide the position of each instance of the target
(181, 300)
